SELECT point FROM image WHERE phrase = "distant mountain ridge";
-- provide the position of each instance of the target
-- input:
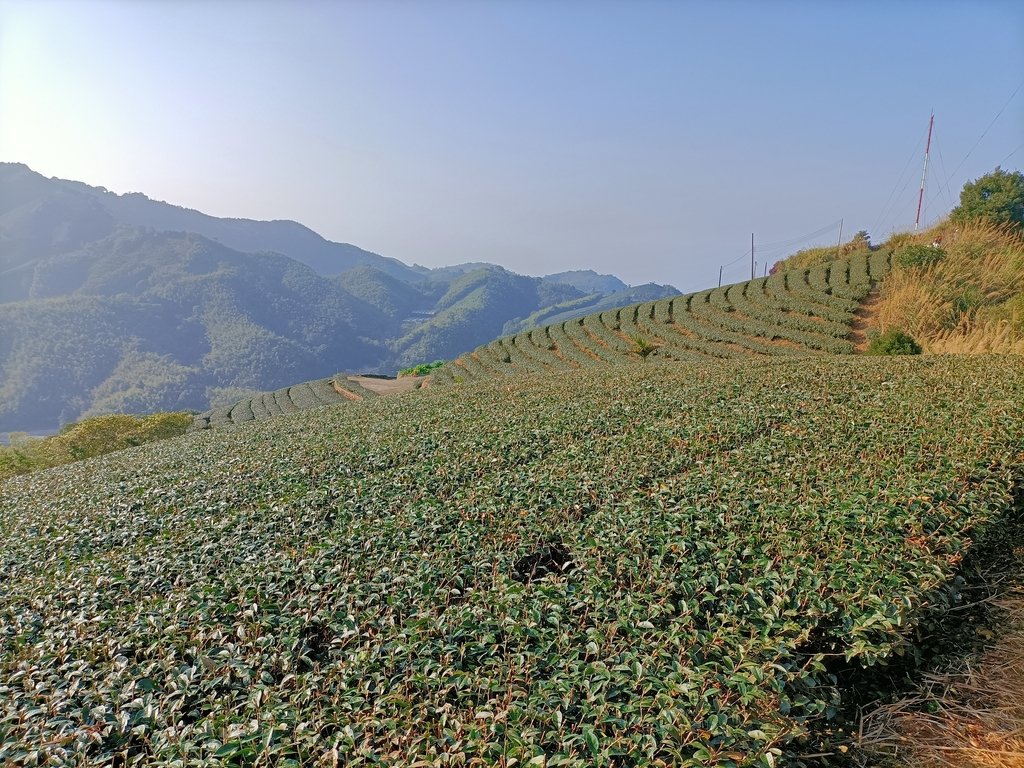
(588, 281)
(118, 303)
(105, 210)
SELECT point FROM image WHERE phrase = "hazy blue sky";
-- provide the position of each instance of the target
(647, 139)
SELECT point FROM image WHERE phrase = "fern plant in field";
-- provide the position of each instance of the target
(643, 347)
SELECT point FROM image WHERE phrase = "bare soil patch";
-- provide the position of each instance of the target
(599, 342)
(864, 320)
(585, 350)
(783, 343)
(387, 386)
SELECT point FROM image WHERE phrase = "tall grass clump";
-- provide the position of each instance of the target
(968, 298)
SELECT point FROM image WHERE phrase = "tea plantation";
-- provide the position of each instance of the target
(660, 563)
(298, 397)
(791, 314)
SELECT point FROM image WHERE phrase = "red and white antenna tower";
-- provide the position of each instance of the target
(924, 173)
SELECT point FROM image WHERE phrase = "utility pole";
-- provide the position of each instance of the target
(751, 255)
(719, 277)
(840, 233)
(924, 173)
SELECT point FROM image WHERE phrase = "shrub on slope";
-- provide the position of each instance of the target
(893, 342)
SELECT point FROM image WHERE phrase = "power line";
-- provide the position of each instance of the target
(801, 238)
(985, 132)
(772, 250)
(892, 195)
(980, 139)
(942, 163)
(1018, 149)
(738, 258)
(895, 211)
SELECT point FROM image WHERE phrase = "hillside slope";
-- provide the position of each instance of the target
(791, 313)
(143, 321)
(957, 287)
(968, 297)
(32, 209)
(192, 311)
(635, 565)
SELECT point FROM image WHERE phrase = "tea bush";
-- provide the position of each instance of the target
(643, 565)
(87, 438)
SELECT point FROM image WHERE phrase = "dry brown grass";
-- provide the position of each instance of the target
(968, 717)
(994, 336)
(972, 301)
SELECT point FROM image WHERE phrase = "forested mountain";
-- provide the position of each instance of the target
(118, 303)
(142, 320)
(40, 216)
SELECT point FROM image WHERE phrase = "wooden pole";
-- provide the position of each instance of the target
(719, 277)
(751, 255)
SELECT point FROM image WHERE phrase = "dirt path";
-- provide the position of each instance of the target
(387, 386)
(864, 320)
(344, 392)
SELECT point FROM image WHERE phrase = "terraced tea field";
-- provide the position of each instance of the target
(651, 564)
(789, 314)
(340, 388)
